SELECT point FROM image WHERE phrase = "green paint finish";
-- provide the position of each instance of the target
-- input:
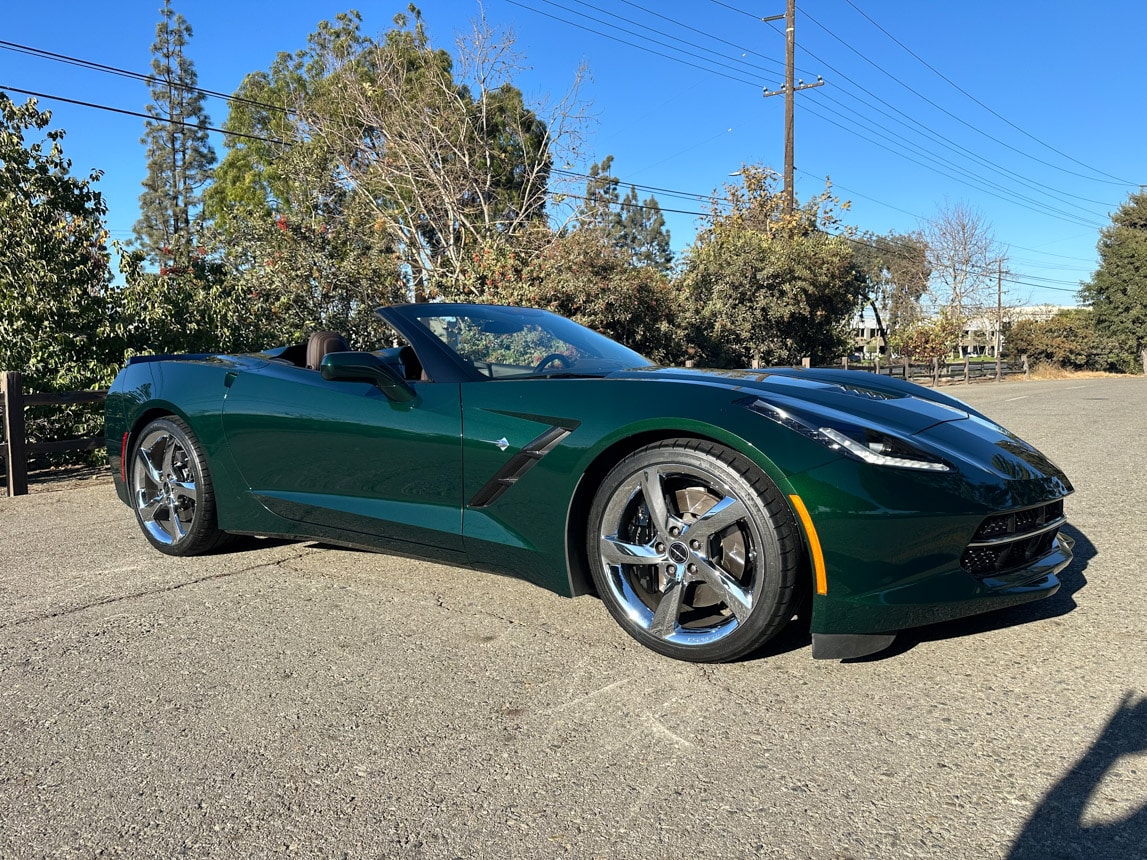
(294, 454)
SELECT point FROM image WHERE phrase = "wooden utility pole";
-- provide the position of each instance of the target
(999, 313)
(789, 89)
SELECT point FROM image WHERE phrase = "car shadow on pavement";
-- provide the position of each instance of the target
(1057, 827)
(250, 543)
(1072, 580)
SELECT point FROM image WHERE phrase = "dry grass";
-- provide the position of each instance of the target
(1054, 371)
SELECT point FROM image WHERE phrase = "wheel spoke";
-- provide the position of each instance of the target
(732, 594)
(148, 509)
(664, 623)
(169, 449)
(176, 526)
(185, 490)
(153, 474)
(615, 551)
(718, 518)
(655, 499)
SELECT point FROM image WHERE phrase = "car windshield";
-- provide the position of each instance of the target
(514, 343)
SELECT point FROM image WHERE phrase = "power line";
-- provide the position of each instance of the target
(982, 162)
(707, 35)
(947, 112)
(126, 73)
(1066, 217)
(139, 114)
(635, 45)
(974, 180)
(926, 132)
(980, 103)
(709, 51)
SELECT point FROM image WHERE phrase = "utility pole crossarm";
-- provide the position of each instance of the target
(790, 89)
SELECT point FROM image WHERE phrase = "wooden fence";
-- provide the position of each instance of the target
(16, 448)
(936, 371)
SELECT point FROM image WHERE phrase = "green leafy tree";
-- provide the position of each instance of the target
(54, 264)
(929, 338)
(259, 177)
(632, 227)
(897, 270)
(321, 263)
(54, 273)
(577, 276)
(763, 287)
(444, 151)
(196, 308)
(296, 237)
(1117, 292)
(1069, 340)
(179, 154)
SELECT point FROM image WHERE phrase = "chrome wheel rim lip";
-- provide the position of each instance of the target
(672, 537)
(165, 489)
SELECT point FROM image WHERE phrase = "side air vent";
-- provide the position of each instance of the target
(517, 466)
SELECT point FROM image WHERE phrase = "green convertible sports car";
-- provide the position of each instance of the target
(705, 508)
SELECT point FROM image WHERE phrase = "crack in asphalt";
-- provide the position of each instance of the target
(148, 592)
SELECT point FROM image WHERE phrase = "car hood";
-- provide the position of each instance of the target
(903, 408)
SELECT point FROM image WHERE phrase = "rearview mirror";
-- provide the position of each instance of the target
(366, 367)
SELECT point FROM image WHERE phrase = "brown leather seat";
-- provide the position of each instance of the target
(411, 367)
(322, 342)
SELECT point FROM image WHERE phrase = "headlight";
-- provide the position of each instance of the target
(852, 440)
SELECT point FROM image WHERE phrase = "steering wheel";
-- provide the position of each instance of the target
(552, 358)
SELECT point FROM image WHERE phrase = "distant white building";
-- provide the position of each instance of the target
(979, 337)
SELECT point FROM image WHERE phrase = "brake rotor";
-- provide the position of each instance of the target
(730, 551)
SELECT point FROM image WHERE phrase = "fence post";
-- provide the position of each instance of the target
(15, 456)
(906, 368)
(935, 372)
(967, 369)
(806, 362)
(1027, 370)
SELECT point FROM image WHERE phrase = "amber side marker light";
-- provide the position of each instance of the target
(813, 544)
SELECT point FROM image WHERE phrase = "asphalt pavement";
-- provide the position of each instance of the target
(289, 699)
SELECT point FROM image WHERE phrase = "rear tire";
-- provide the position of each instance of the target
(694, 551)
(171, 491)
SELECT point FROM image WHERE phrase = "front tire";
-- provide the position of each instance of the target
(694, 551)
(171, 491)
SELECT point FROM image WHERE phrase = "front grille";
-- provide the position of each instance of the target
(1005, 542)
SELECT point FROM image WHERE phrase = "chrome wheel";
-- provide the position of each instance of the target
(688, 552)
(171, 490)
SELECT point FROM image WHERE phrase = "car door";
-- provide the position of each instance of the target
(343, 460)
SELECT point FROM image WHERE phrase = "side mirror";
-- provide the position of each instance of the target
(366, 367)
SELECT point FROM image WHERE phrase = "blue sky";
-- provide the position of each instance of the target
(1031, 113)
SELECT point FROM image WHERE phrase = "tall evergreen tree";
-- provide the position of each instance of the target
(179, 154)
(635, 229)
(644, 235)
(1117, 292)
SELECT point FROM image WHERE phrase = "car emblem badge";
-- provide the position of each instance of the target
(502, 444)
(679, 553)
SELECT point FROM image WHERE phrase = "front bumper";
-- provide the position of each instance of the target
(903, 550)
